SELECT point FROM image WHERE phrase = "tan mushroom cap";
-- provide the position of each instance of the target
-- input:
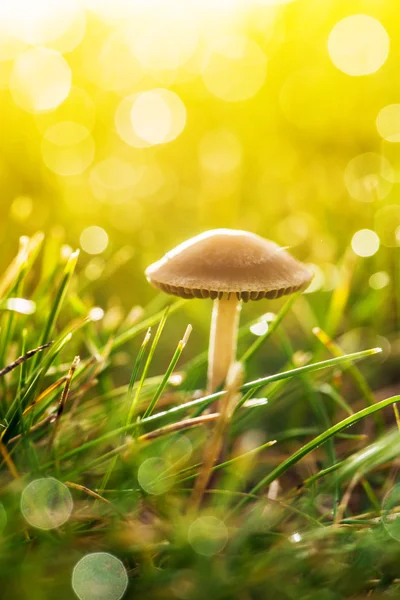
(227, 261)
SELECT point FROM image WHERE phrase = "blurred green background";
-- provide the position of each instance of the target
(129, 126)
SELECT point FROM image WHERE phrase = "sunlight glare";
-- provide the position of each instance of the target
(21, 305)
(274, 2)
(167, 42)
(41, 21)
(318, 281)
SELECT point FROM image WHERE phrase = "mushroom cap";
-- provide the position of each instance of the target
(227, 261)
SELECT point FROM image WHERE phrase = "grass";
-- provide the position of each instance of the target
(273, 497)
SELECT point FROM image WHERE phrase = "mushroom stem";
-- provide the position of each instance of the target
(223, 339)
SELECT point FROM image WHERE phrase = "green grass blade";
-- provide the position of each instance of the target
(168, 372)
(383, 450)
(207, 400)
(331, 362)
(56, 307)
(135, 372)
(195, 364)
(318, 441)
(131, 333)
(272, 327)
(12, 416)
(148, 363)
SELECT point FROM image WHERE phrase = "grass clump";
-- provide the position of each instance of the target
(274, 496)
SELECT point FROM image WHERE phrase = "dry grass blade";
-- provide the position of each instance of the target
(64, 397)
(49, 390)
(47, 421)
(28, 249)
(346, 498)
(356, 374)
(23, 358)
(95, 495)
(185, 424)
(214, 446)
(396, 415)
(9, 461)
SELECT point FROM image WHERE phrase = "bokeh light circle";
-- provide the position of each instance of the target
(388, 123)
(365, 243)
(309, 99)
(358, 45)
(78, 107)
(94, 240)
(67, 148)
(295, 229)
(153, 476)
(369, 177)
(153, 179)
(235, 68)
(21, 208)
(40, 80)
(110, 63)
(21, 305)
(72, 36)
(149, 118)
(379, 280)
(259, 328)
(46, 503)
(99, 576)
(177, 450)
(10, 44)
(66, 133)
(207, 535)
(112, 180)
(391, 522)
(387, 224)
(166, 42)
(220, 152)
(96, 313)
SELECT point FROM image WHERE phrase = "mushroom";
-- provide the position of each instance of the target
(228, 266)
